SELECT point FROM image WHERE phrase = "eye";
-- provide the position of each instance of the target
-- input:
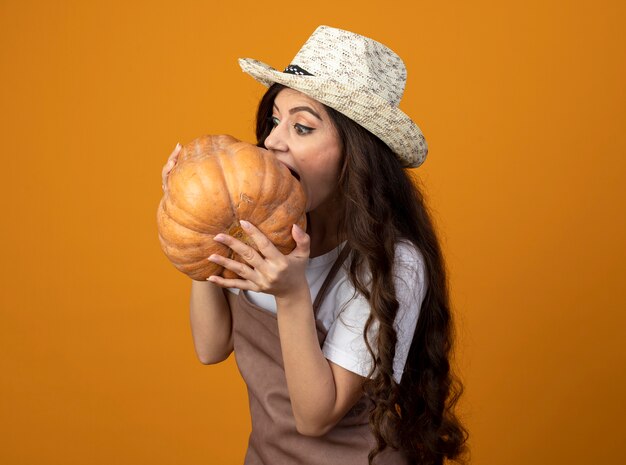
(302, 130)
(274, 121)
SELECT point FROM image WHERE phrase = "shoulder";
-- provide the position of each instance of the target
(409, 268)
(409, 277)
(411, 284)
(409, 263)
(406, 252)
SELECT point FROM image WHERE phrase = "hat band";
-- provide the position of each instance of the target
(295, 69)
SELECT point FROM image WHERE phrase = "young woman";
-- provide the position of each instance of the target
(344, 344)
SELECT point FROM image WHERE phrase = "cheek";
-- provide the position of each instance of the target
(329, 158)
(332, 167)
(321, 183)
(325, 167)
(320, 167)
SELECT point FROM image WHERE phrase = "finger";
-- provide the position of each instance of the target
(171, 162)
(173, 158)
(247, 253)
(236, 267)
(265, 246)
(233, 283)
(303, 242)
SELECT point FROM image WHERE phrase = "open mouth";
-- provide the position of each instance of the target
(293, 172)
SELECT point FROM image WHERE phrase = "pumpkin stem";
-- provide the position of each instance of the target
(238, 233)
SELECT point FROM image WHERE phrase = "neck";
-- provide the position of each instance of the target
(323, 228)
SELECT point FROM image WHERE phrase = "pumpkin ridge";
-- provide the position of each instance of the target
(182, 211)
(243, 197)
(270, 164)
(286, 185)
(182, 240)
(231, 254)
(218, 158)
(262, 184)
(177, 209)
(197, 270)
(188, 264)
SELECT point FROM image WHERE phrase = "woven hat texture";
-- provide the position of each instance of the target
(357, 76)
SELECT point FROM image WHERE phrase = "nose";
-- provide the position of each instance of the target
(276, 140)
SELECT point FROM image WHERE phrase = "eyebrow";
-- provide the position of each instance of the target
(303, 108)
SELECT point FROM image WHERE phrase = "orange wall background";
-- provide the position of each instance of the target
(524, 108)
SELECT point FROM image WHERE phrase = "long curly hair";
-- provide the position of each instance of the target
(416, 416)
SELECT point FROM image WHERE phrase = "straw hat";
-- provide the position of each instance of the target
(357, 76)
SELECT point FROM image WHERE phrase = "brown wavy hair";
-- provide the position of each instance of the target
(381, 205)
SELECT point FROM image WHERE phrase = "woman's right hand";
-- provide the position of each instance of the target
(171, 162)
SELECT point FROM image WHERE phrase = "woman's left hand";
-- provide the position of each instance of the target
(269, 271)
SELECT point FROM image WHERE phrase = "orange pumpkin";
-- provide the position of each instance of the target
(217, 181)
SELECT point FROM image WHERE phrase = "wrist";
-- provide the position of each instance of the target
(298, 296)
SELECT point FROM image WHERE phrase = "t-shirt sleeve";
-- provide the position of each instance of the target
(345, 343)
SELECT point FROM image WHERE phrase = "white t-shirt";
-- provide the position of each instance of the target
(344, 312)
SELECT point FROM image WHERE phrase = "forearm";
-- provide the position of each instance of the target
(309, 376)
(211, 322)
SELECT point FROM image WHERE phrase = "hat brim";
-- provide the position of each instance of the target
(375, 114)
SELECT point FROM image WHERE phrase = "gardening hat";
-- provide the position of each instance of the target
(357, 76)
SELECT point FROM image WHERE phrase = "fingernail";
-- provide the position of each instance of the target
(219, 238)
(178, 146)
(244, 224)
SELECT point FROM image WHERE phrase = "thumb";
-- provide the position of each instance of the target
(303, 242)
